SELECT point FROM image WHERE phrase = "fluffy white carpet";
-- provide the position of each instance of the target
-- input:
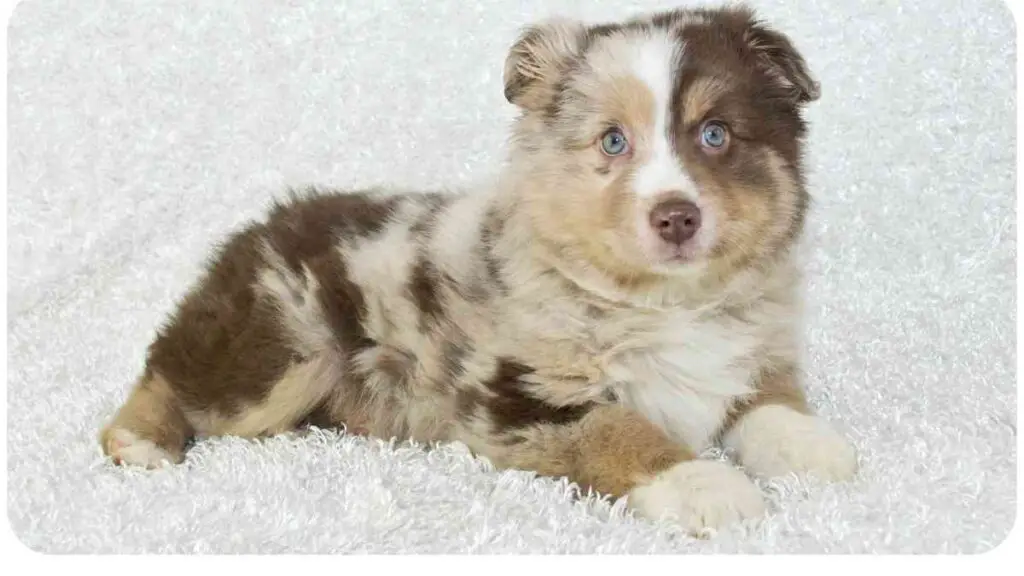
(141, 132)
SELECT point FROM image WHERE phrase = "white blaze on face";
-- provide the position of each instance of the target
(654, 63)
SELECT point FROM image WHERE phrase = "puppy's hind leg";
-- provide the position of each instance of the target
(150, 429)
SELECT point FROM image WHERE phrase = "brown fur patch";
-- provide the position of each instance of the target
(424, 278)
(320, 417)
(455, 351)
(309, 223)
(491, 227)
(512, 407)
(343, 302)
(610, 449)
(620, 449)
(435, 203)
(224, 348)
(424, 286)
(730, 80)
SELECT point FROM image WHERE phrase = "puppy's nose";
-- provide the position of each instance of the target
(676, 221)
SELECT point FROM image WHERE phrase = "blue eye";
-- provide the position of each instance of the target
(714, 135)
(614, 143)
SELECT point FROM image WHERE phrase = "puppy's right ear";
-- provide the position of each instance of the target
(538, 59)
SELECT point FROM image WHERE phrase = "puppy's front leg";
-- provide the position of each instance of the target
(776, 432)
(617, 452)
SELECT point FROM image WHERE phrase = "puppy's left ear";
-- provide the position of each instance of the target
(782, 61)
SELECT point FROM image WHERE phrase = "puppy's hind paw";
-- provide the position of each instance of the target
(126, 448)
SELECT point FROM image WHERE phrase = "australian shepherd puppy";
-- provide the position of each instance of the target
(622, 297)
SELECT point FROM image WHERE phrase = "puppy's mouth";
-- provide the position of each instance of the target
(682, 255)
(678, 255)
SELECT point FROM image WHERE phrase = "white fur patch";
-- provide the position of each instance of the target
(383, 260)
(380, 265)
(456, 232)
(296, 298)
(654, 64)
(699, 495)
(683, 375)
(775, 440)
(134, 451)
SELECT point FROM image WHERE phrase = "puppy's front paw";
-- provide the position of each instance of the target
(775, 440)
(699, 494)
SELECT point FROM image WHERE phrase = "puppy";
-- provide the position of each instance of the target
(622, 297)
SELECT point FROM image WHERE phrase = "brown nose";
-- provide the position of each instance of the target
(676, 221)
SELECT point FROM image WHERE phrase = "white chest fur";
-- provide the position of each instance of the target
(682, 370)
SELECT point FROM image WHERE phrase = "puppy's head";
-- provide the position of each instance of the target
(663, 145)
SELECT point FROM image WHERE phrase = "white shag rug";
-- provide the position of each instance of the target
(141, 132)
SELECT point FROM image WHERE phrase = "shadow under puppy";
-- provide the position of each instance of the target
(621, 297)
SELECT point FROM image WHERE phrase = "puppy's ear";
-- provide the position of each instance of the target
(537, 60)
(781, 60)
